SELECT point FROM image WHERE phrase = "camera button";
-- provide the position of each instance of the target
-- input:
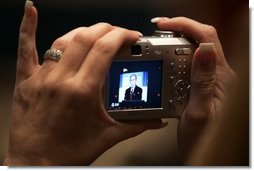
(181, 91)
(171, 104)
(182, 51)
(181, 88)
(172, 79)
(172, 64)
(181, 100)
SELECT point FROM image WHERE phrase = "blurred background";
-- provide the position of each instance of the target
(56, 17)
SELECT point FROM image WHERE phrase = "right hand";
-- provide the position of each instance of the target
(211, 79)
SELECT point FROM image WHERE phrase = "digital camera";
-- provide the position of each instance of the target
(151, 79)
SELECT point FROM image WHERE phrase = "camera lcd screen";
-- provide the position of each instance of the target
(135, 85)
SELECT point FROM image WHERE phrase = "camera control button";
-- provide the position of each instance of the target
(172, 79)
(180, 100)
(171, 102)
(182, 89)
(172, 63)
(182, 51)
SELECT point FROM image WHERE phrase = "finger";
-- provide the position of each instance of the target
(79, 47)
(98, 61)
(203, 78)
(197, 31)
(60, 43)
(27, 54)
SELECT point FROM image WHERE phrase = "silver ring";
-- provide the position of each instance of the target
(53, 54)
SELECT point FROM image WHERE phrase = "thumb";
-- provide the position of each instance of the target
(27, 54)
(203, 77)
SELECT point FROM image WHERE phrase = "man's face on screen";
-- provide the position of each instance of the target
(133, 80)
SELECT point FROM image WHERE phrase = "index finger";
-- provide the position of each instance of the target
(200, 32)
(197, 31)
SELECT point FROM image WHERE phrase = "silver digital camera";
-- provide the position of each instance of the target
(151, 79)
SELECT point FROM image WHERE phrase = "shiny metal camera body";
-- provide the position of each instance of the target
(159, 66)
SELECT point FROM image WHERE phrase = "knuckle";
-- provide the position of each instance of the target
(103, 46)
(81, 28)
(106, 26)
(83, 37)
(122, 31)
(210, 30)
(59, 43)
(182, 18)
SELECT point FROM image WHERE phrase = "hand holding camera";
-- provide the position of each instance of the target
(211, 80)
(58, 116)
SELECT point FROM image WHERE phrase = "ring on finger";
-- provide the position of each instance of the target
(53, 54)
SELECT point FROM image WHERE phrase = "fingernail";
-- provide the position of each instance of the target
(163, 124)
(158, 19)
(206, 47)
(140, 34)
(207, 52)
(28, 5)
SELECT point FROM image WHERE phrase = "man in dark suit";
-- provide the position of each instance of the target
(134, 92)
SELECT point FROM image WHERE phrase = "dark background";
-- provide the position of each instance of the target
(56, 17)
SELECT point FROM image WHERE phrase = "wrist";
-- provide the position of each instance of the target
(24, 160)
(56, 157)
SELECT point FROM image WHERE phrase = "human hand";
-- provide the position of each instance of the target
(211, 79)
(58, 115)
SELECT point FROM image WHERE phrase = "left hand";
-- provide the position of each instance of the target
(58, 116)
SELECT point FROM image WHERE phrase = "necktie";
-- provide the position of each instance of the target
(131, 93)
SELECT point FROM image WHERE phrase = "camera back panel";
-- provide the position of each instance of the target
(162, 66)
